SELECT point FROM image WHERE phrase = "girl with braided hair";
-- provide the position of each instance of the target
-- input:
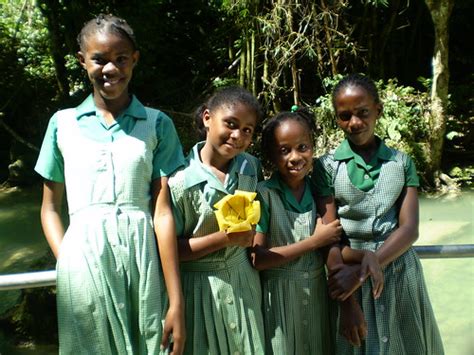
(112, 155)
(375, 191)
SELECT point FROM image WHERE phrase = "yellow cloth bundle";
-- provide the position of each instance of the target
(237, 212)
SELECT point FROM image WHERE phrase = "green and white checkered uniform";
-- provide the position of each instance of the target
(295, 297)
(401, 321)
(221, 290)
(110, 294)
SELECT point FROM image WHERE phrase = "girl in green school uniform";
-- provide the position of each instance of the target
(111, 156)
(288, 242)
(375, 190)
(221, 289)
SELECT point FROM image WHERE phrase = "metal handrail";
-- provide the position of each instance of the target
(48, 278)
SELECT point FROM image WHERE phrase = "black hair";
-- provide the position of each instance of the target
(106, 24)
(356, 80)
(226, 96)
(301, 115)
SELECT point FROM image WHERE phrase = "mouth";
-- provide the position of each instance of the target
(296, 169)
(231, 146)
(356, 133)
(108, 82)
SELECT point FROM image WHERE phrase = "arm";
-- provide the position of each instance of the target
(352, 325)
(265, 258)
(406, 234)
(53, 193)
(326, 207)
(345, 279)
(197, 247)
(165, 233)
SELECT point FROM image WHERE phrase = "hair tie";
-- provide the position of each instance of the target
(294, 108)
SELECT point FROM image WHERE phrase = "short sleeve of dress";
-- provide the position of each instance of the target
(264, 222)
(176, 186)
(168, 155)
(411, 177)
(321, 179)
(50, 163)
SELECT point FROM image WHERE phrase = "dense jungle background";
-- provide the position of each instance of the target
(285, 51)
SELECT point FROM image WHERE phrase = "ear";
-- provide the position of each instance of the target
(135, 57)
(206, 117)
(379, 110)
(82, 59)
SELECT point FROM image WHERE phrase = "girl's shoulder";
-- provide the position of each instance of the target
(252, 160)
(327, 162)
(399, 156)
(176, 182)
(158, 118)
(65, 114)
(63, 118)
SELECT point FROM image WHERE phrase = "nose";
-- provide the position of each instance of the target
(294, 156)
(109, 67)
(355, 121)
(235, 134)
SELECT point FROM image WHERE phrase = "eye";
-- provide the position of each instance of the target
(122, 59)
(231, 124)
(344, 116)
(248, 131)
(363, 113)
(284, 150)
(99, 60)
(303, 147)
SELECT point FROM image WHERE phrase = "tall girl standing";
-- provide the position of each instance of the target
(222, 290)
(110, 156)
(288, 242)
(375, 189)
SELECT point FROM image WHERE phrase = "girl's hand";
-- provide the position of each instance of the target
(353, 325)
(370, 266)
(343, 281)
(174, 326)
(241, 239)
(326, 234)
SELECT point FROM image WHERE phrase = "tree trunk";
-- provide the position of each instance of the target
(243, 56)
(51, 12)
(440, 12)
(254, 64)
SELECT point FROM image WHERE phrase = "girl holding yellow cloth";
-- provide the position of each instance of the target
(221, 289)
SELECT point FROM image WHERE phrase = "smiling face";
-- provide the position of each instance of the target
(229, 130)
(293, 151)
(109, 60)
(357, 113)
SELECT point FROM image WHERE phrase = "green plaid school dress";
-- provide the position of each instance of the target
(110, 294)
(401, 321)
(295, 297)
(221, 290)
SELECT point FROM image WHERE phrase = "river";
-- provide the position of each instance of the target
(443, 220)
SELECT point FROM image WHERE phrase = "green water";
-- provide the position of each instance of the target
(449, 220)
(443, 220)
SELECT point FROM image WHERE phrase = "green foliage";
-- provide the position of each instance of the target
(27, 74)
(463, 175)
(376, 2)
